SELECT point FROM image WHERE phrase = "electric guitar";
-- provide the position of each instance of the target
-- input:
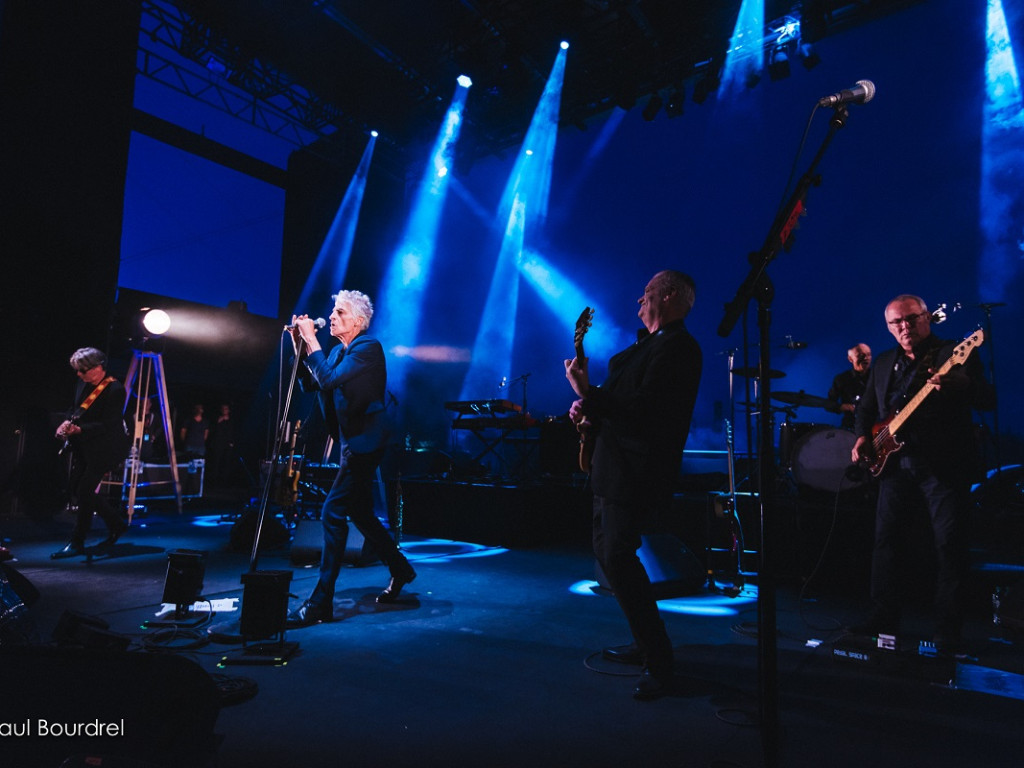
(587, 437)
(885, 437)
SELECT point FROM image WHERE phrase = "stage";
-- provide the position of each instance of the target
(491, 657)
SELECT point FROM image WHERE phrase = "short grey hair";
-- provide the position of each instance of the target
(87, 358)
(358, 303)
(682, 283)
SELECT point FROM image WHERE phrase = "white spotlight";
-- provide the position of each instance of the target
(156, 321)
(564, 45)
(464, 81)
(374, 134)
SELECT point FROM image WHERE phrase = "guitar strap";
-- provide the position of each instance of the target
(92, 397)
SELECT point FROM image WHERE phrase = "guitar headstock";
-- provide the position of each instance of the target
(963, 349)
(583, 323)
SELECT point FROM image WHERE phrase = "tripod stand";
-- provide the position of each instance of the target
(144, 367)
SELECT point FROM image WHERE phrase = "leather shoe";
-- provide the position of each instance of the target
(309, 613)
(651, 686)
(394, 587)
(114, 533)
(71, 549)
(624, 654)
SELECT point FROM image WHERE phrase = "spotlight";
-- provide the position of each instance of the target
(374, 134)
(808, 56)
(778, 64)
(652, 108)
(674, 105)
(464, 81)
(564, 45)
(156, 322)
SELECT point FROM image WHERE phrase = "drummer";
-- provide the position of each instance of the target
(848, 386)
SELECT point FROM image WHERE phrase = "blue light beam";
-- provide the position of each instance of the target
(1001, 198)
(407, 276)
(745, 56)
(332, 261)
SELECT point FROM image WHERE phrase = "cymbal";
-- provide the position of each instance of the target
(755, 373)
(802, 398)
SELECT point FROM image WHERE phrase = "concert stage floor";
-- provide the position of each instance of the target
(490, 659)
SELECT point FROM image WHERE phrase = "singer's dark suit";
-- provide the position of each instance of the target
(351, 384)
(937, 464)
(642, 413)
(96, 450)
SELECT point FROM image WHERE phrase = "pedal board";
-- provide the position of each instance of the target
(887, 654)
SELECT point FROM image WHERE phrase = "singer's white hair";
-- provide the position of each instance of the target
(356, 302)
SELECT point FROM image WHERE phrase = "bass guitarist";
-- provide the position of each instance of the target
(933, 458)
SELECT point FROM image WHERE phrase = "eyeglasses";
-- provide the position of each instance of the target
(896, 322)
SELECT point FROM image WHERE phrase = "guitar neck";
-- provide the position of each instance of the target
(917, 399)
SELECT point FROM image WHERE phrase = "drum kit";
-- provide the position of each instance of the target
(816, 455)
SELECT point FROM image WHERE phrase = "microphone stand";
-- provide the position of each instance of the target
(758, 286)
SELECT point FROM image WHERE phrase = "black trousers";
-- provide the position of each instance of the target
(946, 497)
(351, 498)
(617, 530)
(87, 470)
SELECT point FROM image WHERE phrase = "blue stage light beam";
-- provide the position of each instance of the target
(566, 301)
(523, 206)
(1002, 197)
(331, 265)
(744, 58)
(407, 275)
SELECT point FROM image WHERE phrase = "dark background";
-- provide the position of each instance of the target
(98, 217)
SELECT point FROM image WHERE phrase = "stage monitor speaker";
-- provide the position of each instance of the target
(673, 569)
(154, 708)
(264, 604)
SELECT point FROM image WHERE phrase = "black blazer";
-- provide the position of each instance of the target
(352, 383)
(103, 436)
(643, 413)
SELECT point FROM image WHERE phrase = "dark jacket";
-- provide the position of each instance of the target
(103, 436)
(643, 413)
(941, 429)
(352, 384)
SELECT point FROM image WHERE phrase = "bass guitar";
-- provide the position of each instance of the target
(587, 436)
(885, 434)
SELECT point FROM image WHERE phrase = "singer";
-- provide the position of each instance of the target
(351, 381)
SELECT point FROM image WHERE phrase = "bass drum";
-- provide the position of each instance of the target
(821, 460)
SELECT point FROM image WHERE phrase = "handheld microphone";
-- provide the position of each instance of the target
(319, 323)
(861, 93)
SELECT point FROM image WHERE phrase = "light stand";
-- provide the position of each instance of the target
(146, 366)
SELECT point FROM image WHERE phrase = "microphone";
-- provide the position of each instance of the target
(318, 323)
(861, 93)
(796, 344)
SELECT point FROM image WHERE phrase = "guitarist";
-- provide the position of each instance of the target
(641, 417)
(935, 465)
(95, 432)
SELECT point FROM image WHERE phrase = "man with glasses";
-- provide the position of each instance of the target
(95, 433)
(936, 465)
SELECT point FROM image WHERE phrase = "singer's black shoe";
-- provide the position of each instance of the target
(309, 613)
(394, 588)
(71, 549)
(652, 686)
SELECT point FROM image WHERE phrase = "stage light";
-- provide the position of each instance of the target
(808, 56)
(374, 134)
(564, 45)
(778, 64)
(156, 322)
(652, 107)
(674, 105)
(464, 81)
